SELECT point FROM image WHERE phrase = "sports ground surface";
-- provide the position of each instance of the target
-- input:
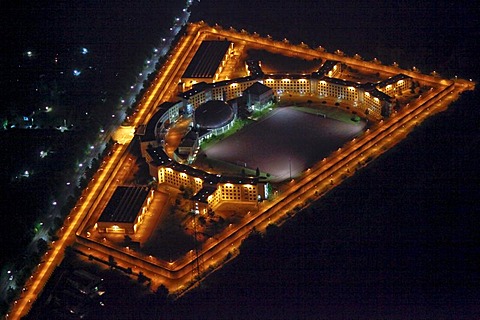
(287, 140)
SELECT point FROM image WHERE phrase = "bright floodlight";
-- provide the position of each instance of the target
(76, 72)
(84, 50)
(29, 54)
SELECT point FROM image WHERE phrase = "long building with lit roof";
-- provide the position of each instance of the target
(125, 211)
(208, 62)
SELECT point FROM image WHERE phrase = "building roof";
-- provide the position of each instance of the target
(208, 178)
(392, 80)
(227, 82)
(213, 114)
(146, 132)
(293, 76)
(125, 204)
(159, 157)
(325, 68)
(342, 82)
(202, 194)
(203, 86)
(254, 68)
(239, 180)
(380, 95)
(207, 59)
(189, 139)
(257, 89)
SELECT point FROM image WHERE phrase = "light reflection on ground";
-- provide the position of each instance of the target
(286, 140)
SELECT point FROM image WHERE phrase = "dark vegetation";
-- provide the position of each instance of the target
(83, 103)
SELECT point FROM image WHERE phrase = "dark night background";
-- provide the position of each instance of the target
(399, 240)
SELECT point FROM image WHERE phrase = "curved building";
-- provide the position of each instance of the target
(213, 114)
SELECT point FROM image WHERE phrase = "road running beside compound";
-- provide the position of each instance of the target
(311, 185)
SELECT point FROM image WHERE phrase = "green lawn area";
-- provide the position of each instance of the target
(239, 124)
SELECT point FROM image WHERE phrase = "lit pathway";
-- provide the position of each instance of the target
(175, 134)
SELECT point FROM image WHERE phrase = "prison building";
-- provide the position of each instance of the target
(284, 83)
(125, 211)
(208, 62)
(257, 95)
(234, 193)
(395, 85)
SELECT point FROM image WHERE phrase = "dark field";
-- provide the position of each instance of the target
(273, 63)
(285, 138)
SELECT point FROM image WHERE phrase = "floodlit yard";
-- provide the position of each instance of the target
(287, 139)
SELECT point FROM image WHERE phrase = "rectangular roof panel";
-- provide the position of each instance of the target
(207, 59)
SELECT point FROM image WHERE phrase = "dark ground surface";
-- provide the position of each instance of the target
(286, 137)
(397, 241)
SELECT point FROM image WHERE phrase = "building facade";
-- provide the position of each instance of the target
(212, 191)
(125, 211)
